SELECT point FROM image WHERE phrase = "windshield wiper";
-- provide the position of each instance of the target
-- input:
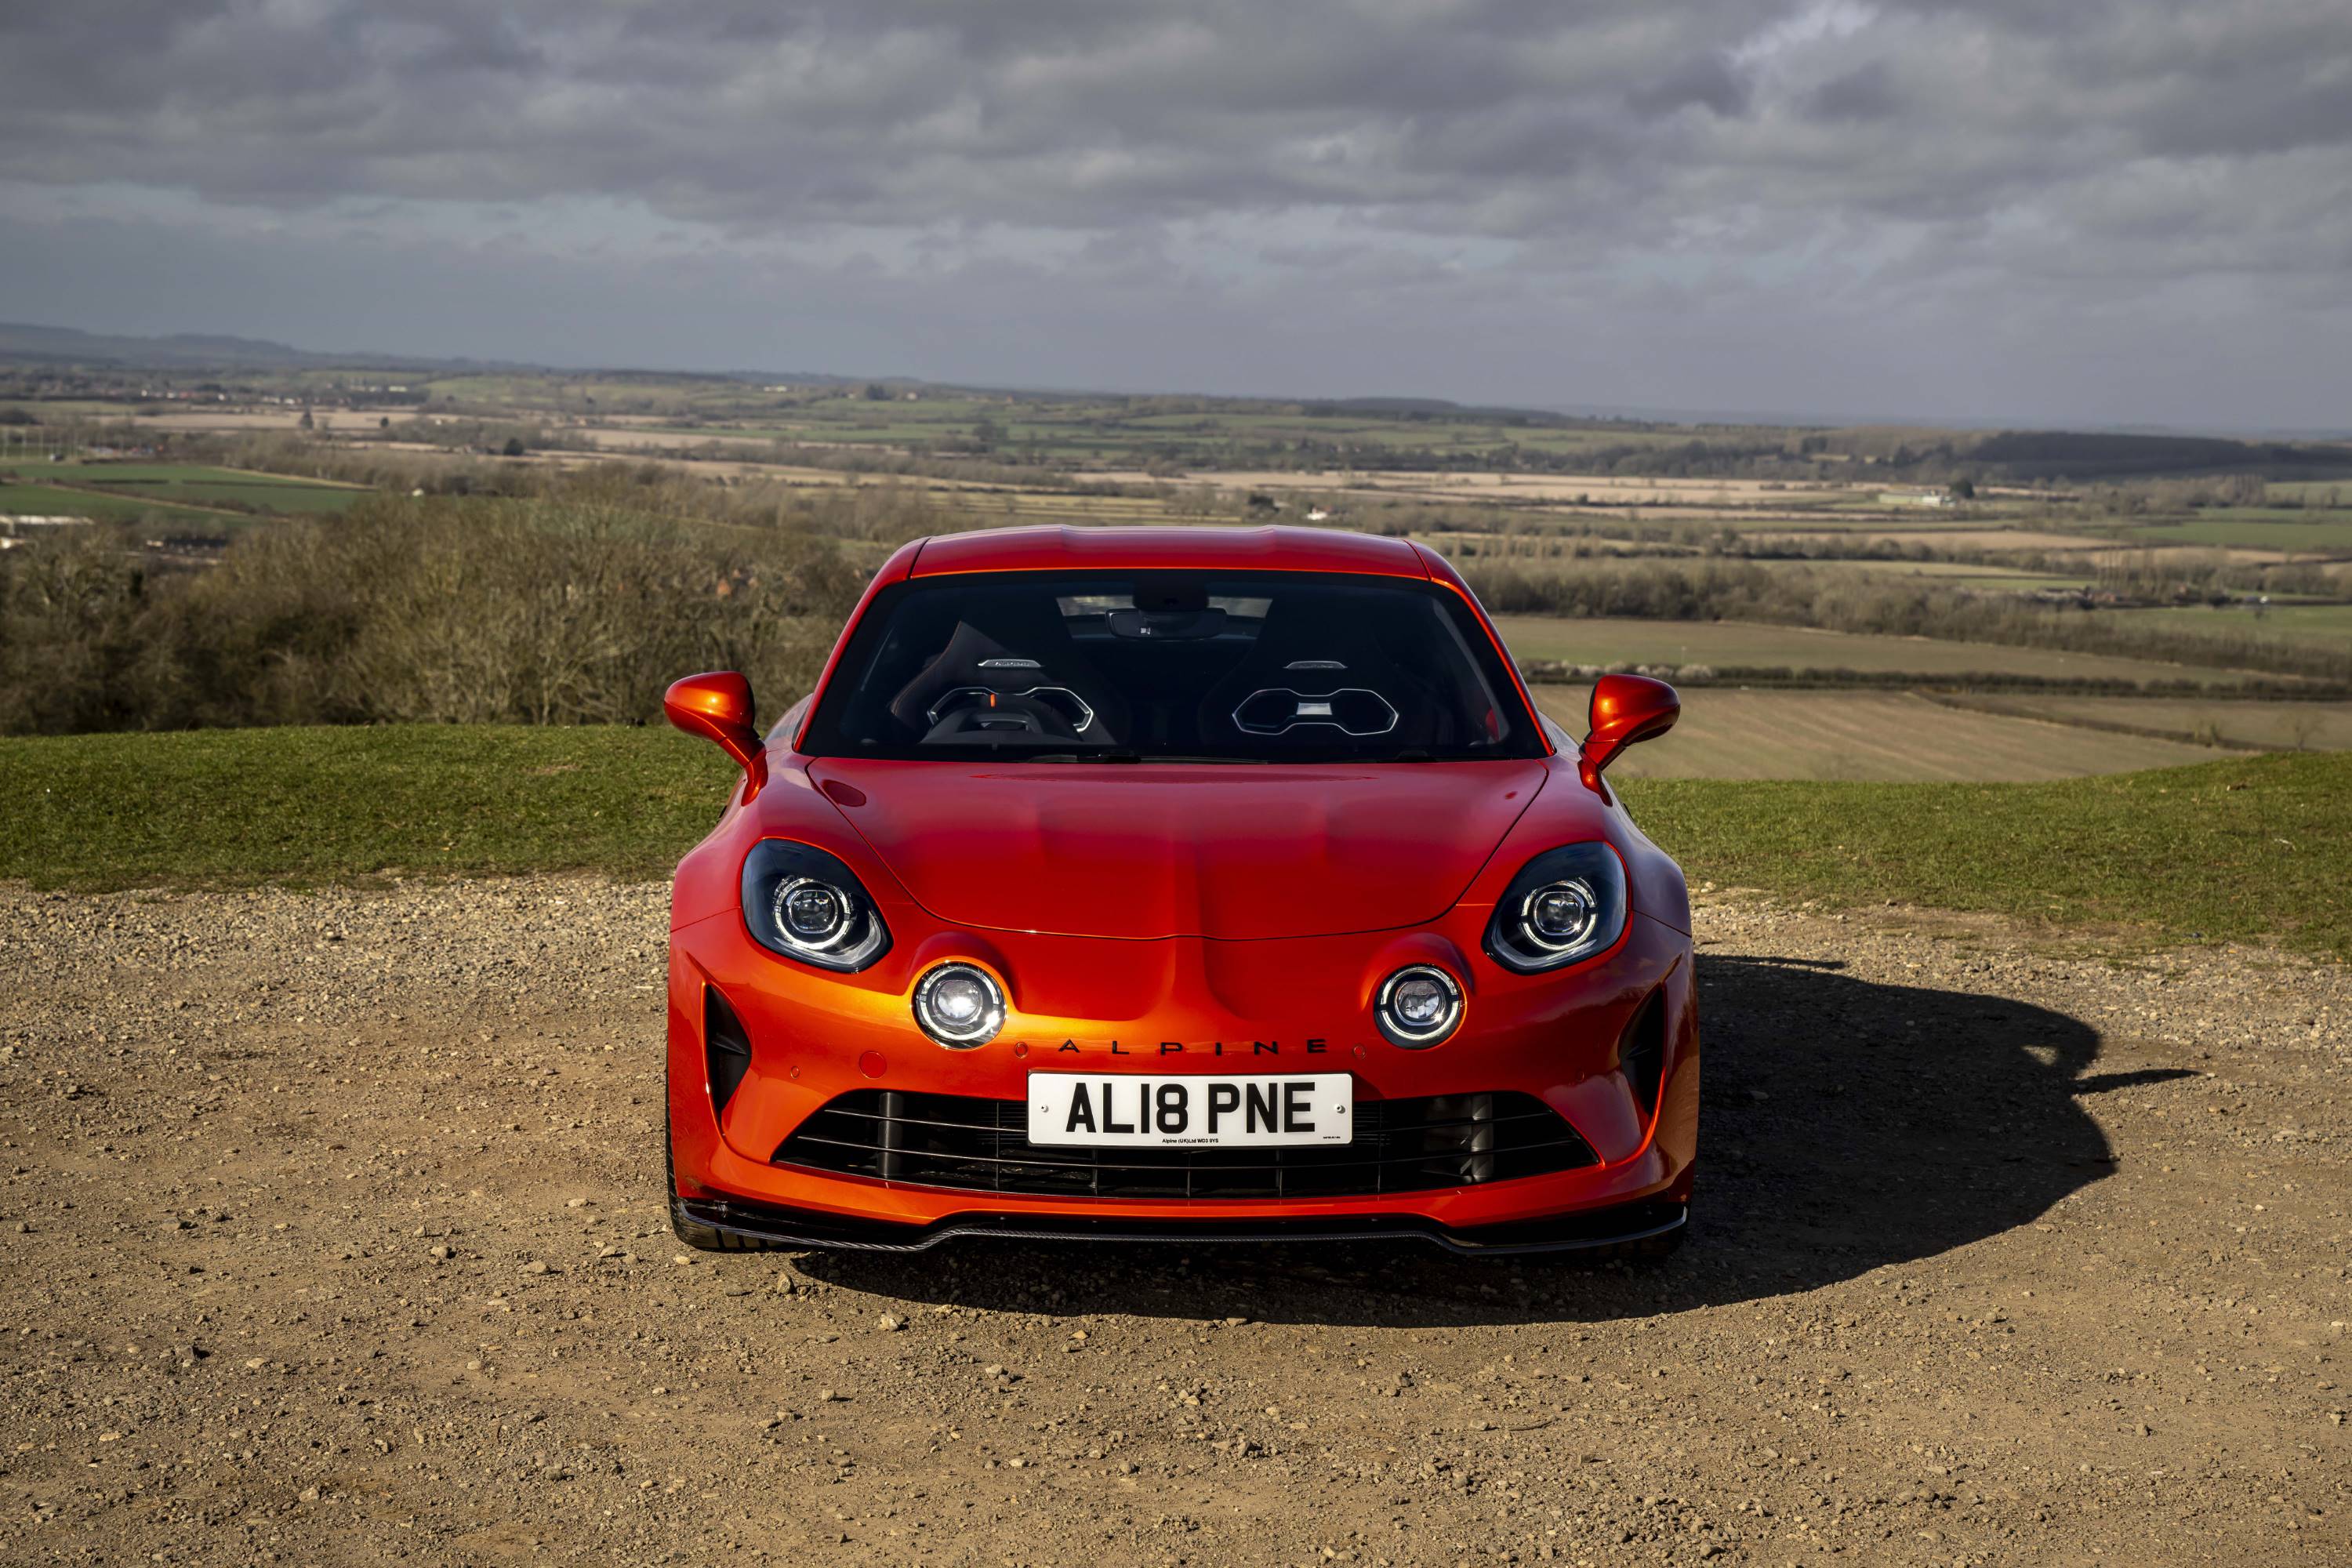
(1409, 754)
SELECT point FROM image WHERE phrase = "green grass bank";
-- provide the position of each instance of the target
(2247, 848)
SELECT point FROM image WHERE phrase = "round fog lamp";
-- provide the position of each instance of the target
(958, 1005)
(1418, 1006)
(1420, 1002)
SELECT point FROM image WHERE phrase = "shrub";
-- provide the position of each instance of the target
(444, 609)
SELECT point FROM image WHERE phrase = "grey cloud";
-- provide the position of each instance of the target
(1869, 93)
(1620, 156)
(1085, 116)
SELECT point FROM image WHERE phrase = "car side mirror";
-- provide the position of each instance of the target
(1626, 708)
(716, 706)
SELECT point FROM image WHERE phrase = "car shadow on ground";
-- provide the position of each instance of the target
(1847, 1125)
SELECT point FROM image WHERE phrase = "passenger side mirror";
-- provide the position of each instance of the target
(716, 706)
(1626, 708)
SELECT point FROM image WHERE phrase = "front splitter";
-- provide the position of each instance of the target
(752, 1226)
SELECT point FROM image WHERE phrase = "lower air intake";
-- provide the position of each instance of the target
(982, 1145)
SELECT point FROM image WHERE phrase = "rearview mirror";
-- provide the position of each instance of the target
(1626, 708)
(716, 706)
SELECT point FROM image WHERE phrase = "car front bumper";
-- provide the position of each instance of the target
(1182, 1005)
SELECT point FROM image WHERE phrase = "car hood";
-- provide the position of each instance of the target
(1158, 850)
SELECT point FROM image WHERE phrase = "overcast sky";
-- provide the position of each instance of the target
(2043, 211)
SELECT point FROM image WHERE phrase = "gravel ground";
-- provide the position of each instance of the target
(331, 1235)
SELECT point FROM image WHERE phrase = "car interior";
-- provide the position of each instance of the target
(1156, 664)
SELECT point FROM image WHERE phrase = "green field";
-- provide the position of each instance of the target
(181, 492)
(195, 485)
(2301, 533)
(1894, 736)
(55, 501)
(1736, 644)
(101, 472)
(2325, 624)
(2246, 847)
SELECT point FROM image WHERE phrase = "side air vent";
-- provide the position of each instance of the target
(1641, 1052)
(725, 1049)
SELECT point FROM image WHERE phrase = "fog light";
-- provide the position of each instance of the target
(958, 1005)
(1418, 1006)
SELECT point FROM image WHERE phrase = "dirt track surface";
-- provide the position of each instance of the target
(330, 1233)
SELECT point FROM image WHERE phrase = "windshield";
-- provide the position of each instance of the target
(1149, 666)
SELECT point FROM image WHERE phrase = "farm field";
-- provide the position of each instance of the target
(1605, 491)
(2323, 623)
(1964, 575)
(1887, 737)
(1968, 533)
(2295, 533)
(110, 490)
(196, 485)
(1090, 433)
(57, 500)
(1736, 644)
(2270, 725)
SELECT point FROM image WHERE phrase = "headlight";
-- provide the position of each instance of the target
(1417, 1006)
(804, 903)
(958, 1005)
(1565, 905)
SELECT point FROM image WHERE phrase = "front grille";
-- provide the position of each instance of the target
(982, 1145)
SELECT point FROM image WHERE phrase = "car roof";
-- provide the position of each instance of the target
(1261, 548)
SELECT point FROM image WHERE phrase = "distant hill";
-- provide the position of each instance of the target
(64, 345)
(22, 342)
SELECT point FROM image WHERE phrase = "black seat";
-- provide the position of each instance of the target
(1293, 690)
(1020, 649)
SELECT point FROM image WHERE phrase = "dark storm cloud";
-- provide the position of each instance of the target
(1086, 115)
(1613, 156)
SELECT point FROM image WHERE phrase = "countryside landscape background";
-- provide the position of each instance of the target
(225, 535)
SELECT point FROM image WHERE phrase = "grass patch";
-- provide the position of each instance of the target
(311, 806)
(2244, 848)
(2252, 848)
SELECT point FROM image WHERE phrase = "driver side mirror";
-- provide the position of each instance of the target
(716, 706)
(1626, 708)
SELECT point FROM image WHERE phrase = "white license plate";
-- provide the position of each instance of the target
(1075, 1108)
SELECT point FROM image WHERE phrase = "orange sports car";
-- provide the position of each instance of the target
(1177, 883)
